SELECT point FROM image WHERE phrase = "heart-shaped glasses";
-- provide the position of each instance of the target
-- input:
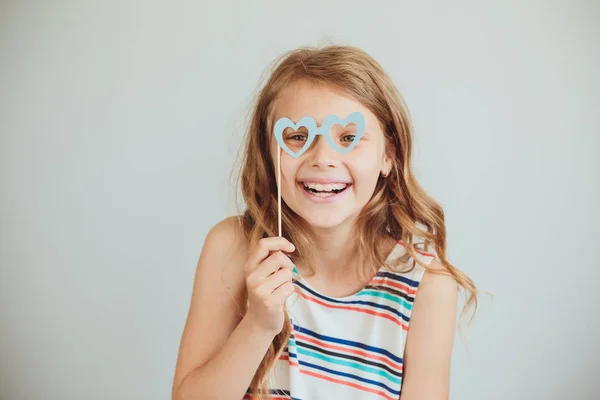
(313, 130)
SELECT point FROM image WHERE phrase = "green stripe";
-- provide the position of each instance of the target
(396, 299)
(350, 364)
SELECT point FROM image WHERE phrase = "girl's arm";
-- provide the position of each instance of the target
(429, 342)
(218, 354)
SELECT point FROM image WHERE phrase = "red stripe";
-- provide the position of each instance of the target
(354, 385)
(394, 284)
(377, 314)
(286, 358)
(327, 378)
(368, 356)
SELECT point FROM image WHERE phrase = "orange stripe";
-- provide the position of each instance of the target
(292, 363)
(354, 385)
(397, 285)
(377, 314)
(368, 356)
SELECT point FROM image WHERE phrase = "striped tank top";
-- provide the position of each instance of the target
(351, 347)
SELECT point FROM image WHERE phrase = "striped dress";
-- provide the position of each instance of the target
(352, 347)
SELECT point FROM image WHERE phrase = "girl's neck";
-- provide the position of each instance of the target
(335, 252)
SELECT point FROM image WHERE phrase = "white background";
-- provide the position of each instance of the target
(120, 122)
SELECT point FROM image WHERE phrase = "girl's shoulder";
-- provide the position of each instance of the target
(217, 297)
(421, 273)
(227, 234)
(226, 247)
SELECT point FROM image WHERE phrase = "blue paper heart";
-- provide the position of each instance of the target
(313, 131)
(283, 123)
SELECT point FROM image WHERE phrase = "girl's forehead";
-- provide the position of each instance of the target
(301, 100)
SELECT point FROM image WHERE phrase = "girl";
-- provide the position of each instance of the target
(357, 299)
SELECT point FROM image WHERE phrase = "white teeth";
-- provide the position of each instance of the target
(322, 194)
(325, 187)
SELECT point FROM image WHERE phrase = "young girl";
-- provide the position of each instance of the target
(356, 299)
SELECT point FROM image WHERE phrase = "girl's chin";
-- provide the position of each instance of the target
(326, 219)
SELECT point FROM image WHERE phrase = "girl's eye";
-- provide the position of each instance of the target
(348, 138)
(298, 137)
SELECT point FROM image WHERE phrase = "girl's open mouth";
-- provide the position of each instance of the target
(323, 191)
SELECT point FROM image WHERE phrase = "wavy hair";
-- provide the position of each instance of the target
(398, 208)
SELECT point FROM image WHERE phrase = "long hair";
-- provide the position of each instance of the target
(398, 208)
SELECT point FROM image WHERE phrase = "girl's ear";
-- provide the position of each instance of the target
(387, 165)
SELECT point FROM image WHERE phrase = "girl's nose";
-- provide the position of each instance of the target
(322, 154)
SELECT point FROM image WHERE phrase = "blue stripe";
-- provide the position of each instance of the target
(398, 278)
(347, 342)
(362, 302)
(351, 364)
(347, 375)
(391, 297)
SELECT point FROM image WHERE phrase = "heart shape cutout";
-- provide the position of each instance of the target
(330, 120)
(356, 117)
(284, 123)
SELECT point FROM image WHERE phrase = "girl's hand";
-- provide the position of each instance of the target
(269, 283)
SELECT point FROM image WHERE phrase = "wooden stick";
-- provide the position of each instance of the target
(279, 189)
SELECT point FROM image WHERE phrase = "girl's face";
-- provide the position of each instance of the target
(323, 186)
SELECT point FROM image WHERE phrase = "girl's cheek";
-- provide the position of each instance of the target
(288, 170)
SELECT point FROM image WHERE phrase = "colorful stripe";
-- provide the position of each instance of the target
(391, 365)
(337, 376)
(300, 331)
(385, 285)
(317, 362)
(321, 356)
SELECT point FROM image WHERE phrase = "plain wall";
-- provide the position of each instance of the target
(120, 122)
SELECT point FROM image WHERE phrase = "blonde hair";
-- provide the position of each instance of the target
(399, 207)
